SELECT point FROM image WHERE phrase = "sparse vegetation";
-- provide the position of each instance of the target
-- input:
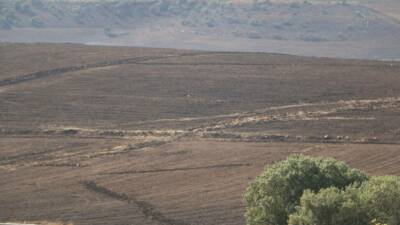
(311, 27)
(36, 22)
(25, 8)
(5, 23)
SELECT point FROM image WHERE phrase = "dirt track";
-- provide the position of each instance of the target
(63, 70)
(175, 139)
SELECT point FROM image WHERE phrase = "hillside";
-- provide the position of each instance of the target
(346, 29)
(112, 135)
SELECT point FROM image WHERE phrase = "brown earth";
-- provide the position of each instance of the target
(103, 135)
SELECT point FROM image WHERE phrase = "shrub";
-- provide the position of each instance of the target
(36, 22)
(275, 194)
(24, 8)
(38, 4)
(5, 23)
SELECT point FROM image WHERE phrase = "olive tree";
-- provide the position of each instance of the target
(330, 206)
(276, 193)
(381, 197)
(375, 202)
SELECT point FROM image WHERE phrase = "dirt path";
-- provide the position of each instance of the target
(220, 166)
(63, 70)
(217, 127)
(275, 113)
(147, 60)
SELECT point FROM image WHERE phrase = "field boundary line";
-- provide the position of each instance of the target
(219, 166)
(148, 210)
(63, 70)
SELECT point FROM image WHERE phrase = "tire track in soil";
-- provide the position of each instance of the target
(142, 61)
(148, 210)
(71, 165)
(221, 166)
(77, 132)
(233, 120)
(377, 66)
(258, 116)
(257, 112)
(39, 155)
(128, 148)
(74, 160)
(235, 137)
(63, 70)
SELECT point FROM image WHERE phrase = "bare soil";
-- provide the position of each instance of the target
(104, 135)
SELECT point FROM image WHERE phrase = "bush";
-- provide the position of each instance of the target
(275, 194)
(5, 23)
(36, 22)
(38, 4)
(24, 8)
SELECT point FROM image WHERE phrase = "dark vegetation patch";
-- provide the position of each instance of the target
(254, 20)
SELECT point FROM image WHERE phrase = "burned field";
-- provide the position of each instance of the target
(111, 135)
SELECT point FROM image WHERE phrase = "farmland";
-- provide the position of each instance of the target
(118, 135)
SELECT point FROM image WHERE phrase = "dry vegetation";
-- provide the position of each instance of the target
(156, 136)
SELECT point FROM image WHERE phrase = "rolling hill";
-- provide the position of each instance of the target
(118, 135)
(345, 29)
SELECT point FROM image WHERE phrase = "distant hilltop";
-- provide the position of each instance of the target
(279, 20)
(368, 27)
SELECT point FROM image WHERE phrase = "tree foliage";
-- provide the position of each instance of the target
(330, 206)
(274, 195)
(381, 198)
(316, 191)
(375, 202)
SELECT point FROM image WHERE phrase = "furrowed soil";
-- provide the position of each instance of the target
(112, 135)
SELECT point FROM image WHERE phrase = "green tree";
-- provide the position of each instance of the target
(381, 197)
(275, 194)
(375, 202)
(330, 206)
